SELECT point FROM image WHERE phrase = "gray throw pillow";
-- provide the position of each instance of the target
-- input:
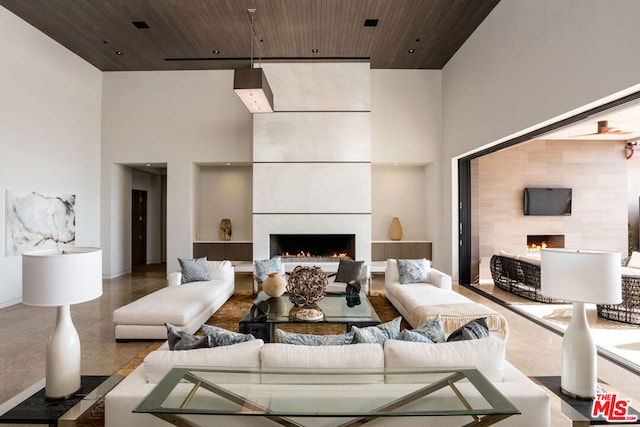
(472, 330)
(194, 270)
(349, 271)
(182, 340)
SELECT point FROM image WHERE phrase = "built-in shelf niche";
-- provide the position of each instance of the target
(223, 191)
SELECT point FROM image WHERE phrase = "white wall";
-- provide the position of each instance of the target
(399, 191)
(190, 118)
(406, 116)
(406, 132)
(181, 118)
(49, 133)
(527, 63)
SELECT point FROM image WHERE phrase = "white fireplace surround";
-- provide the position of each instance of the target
(312, 156)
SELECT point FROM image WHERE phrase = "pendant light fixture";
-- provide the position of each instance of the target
(250, 84)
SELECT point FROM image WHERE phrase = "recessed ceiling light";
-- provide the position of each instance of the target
(370, 22)
(216, 51)
(412, 50)
(119, 52)
(314, 50)
(141, 25)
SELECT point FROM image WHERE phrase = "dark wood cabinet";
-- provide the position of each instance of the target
(216, 251)
(381, 251)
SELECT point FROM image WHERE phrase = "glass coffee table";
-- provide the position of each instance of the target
(327, 397)
(350, 310)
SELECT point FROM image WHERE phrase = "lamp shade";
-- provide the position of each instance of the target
(252, 87)
(61, 277)
(581, 275)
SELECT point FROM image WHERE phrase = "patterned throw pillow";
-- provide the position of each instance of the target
(264, 267)
(413, 270)
(377, 334)
(433, 330)
(194, 270)
(473, 330)
(220, 337)
(407, 335)
(182, 340)
(285, 337)
(349, 271)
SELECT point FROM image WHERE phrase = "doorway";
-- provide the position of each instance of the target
(468, 240)
(138, 228)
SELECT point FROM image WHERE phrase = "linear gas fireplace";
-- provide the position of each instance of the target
(535, 243)
(312, 247)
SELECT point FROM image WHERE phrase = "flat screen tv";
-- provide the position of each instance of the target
(547, 201)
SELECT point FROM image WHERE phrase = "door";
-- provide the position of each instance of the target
(138, 228)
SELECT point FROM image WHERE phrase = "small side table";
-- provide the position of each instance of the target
(577, 410)
(64, 413)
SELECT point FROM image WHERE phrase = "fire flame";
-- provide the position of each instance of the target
(303, 254)
(536, 248)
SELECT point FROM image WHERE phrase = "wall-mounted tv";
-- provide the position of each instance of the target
(547, 201)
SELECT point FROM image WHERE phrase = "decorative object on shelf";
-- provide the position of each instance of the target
(582, 277)
(274, 285)
(306, 314)
(225, 229)
(59, 278)
(306, 285)
(395, 229)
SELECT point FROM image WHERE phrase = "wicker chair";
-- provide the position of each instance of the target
(519, 277)
(629, 310)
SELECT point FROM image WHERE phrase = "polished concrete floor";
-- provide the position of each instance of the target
(24, 331)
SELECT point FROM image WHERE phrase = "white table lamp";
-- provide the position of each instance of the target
(581, 277)
(60, 278)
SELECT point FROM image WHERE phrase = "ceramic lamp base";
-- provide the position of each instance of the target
(63, 358)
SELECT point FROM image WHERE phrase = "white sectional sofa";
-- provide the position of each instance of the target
(486, 354)
(419, 302)
(186, 306)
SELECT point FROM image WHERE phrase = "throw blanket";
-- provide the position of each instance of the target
(455, 315)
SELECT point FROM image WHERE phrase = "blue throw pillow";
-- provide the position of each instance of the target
(264, 267)
(285, 337)
(433, 330)
(194, 270)
(413, 270)
(220, 337)
(377, 334)
(407, 335)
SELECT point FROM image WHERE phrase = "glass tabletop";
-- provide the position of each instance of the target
(334, 308)
(355, 394)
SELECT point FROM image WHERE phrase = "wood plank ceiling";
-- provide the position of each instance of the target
(216, 34)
